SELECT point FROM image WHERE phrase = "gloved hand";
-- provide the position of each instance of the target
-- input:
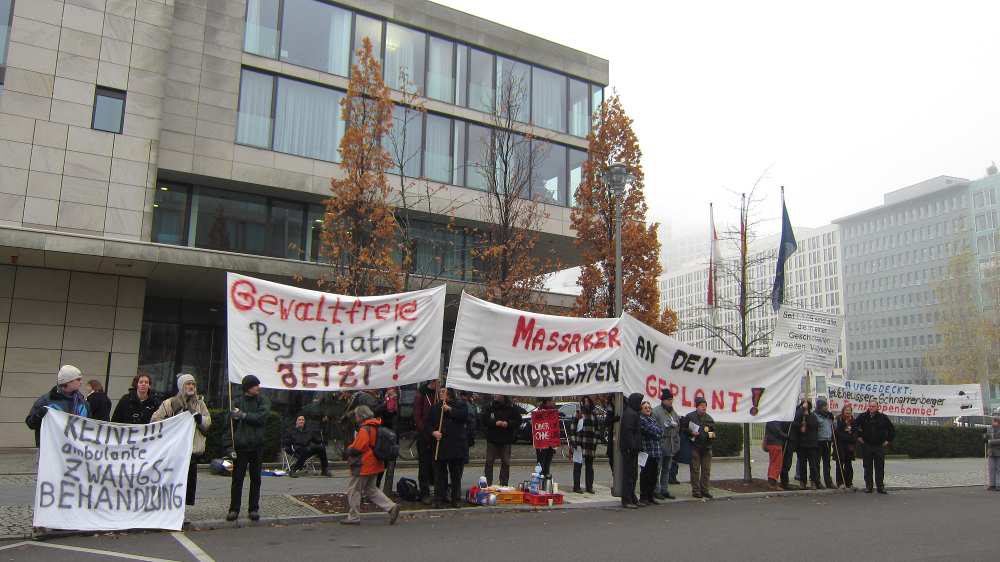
(237, 415)
(40, 413)
(197, 419)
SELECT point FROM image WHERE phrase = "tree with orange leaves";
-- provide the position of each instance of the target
(593, 218)
(358, 226)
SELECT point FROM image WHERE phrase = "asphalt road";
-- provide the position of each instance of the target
(916, 525)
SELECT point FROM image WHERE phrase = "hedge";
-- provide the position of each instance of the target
(272, 443)
(926, 441)
(728, 440)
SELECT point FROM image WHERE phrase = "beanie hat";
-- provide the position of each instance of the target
(249, 382)
(67, 374)
(699, 400)
(820, 403)
(666, 394)
(182, 379)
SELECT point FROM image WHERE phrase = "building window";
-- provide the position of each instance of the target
(480, 81)
(513, 81)
(262, 28)
(254, 120)
(316, 35)
(371, 28)
(549, 185)
(404, 52)
(404, 141)
(548, 98)
(440, 67)
(437, 149)
(579, 108)
(577, 158)
(109, 110)
(307, 120)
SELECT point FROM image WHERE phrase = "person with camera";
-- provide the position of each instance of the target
(875, 433)
(248, 419)
(699, 427)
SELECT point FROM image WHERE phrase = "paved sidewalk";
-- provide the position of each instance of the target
(17, 487)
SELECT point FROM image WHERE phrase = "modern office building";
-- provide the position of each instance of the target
(813, 281)
(147, 147)
(892, 254)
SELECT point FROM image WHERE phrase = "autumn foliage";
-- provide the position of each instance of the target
(593, 217)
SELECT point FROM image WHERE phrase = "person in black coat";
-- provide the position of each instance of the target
(630, 443)
(875, 433)
(501, 418)
(611, 417)
(100, 404)
(445, 422)
(306, 441)
(139, 404)
(845, 432)
(806, 428)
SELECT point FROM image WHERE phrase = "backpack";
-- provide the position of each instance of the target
(407, 490)
(384, 446)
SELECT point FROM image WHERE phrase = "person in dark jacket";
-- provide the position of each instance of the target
(846, 433)
(630, 444)
(825, 433)
(248, 418)
(425, 398)
(306, 441)
(501, 418)
(775, 439)
(583, 436)
(100, 404)
(611, 417)
(875, 433)
(65, 396)
(699, 427)
(651, 436)
(788, 455)
(806, 424)
(139, 404)
(445, 422)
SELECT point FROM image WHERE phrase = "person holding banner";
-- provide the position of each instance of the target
(993, 452)
(187, 400)
(875, 433)
(65, 396)
(100, 404)
(139, 405)
(583, 441)
(446, 424)
(652, 434)
(630, 444)
(806, 427)
(501, 418)
(245, 438)
(699, 427)
(847, 437)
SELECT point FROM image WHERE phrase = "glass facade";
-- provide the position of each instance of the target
(320, 37)
(404, 54)
(261, 36)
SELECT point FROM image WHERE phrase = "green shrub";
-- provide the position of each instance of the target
(925, 441)
(728, 440)
(220, 422)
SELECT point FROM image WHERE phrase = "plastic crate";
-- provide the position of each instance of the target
(510, 497)
(543, 499)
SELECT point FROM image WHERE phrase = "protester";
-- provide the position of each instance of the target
(97, 399)
(445, 422)
(501, 418)
(65, 396)
(306, 441)
(470, 422)
(666, 416)
(187, 400)
(248, 418)
(544, 456)
(611, 417)
(825, 435)
(775, 440)
(364, 468)
(788, 455)
(583, 436)
(846, 434)
(652, 434)
(138, 406)
(699, 427)
(807, 427)
(993, 440)
(630, 443)
(425, 398)
(875, 433)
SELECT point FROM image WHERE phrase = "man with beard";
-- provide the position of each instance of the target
(187, 400)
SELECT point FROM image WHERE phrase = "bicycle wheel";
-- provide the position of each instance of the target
(408, 445)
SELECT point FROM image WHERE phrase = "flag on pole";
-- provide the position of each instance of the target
(785, 250)
(714, 261)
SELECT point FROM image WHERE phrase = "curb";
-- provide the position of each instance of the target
(218, 524)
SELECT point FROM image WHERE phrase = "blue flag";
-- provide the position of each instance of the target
(785, 250)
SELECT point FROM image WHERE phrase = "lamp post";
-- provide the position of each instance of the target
(615, 177)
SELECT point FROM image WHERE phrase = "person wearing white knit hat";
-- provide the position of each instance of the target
(64, 396)
(187, 400)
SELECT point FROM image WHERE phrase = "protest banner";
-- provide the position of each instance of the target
(297, 339)
(545, 428)
(103, 476)
(737, 389)
(907, 400)
(815, 333)
(501, 350)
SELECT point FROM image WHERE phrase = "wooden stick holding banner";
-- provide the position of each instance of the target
(836, 450)
(437, 447)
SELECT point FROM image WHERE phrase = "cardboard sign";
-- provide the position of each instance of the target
(545, 428)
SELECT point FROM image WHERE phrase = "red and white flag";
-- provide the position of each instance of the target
(715, 259)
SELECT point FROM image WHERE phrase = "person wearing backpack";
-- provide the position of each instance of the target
(365, 467)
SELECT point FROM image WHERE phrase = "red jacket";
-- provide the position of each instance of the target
(362, 448)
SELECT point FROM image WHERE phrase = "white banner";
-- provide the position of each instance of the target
(737, 389)
(909, 400)
(102, 476)
(298, 339)
(815, 333)
(505, 351)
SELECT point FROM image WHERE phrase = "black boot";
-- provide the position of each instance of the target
(577, 468)
(590, 479)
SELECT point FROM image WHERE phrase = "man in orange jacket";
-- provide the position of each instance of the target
(365, 469)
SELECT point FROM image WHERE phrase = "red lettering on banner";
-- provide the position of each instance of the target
(319, 309)
(302, 312)
(523, 331)
(286, 312)
(287, 372)
(407, 311)
(306, 375)
(246, 299)
(599, 344)
(736, 398)
(719, 400)
(266, 299)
